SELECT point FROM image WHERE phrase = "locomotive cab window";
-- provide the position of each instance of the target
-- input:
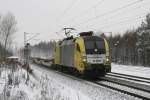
(94, 43)
(100, 44)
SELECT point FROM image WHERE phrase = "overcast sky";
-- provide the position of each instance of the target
(49, 16)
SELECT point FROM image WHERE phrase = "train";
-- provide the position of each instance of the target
(85, 55)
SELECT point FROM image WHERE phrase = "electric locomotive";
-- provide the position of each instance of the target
(87, 54)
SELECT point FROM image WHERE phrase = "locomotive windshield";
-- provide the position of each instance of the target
(94, 45)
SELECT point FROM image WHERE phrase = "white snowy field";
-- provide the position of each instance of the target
(45, 84)
(131, 70)
(72, 89)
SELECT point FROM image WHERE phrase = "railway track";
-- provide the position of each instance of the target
(130, 77)
(122, 86)
(133, 85)
(122, 90)
(131, 88)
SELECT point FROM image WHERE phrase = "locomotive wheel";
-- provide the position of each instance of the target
(61, 68)
(76, 73)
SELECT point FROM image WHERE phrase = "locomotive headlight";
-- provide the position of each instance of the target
(84, 58)
(107, 59)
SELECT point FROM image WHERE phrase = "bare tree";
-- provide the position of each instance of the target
(0, 30)
(148, 20)
(1, 48)
(8, 28)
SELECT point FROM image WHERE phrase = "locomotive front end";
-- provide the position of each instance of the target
(97, 57)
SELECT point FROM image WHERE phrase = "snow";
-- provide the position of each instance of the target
(40, 87)
(81, 89)
(13, 57)
(131, 70)
(11, 90)
(45, 84)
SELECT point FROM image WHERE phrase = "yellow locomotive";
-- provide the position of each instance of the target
(86, 54)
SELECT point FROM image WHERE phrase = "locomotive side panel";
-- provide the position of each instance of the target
(67, 55)
(57, 54)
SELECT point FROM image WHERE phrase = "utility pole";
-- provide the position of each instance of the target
(25, 38)
(27, 48)
(27, 53)
(116, 51)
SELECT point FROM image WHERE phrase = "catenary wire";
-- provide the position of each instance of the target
(126, 11)
(123, 21)
(109, 12)
(87, 10)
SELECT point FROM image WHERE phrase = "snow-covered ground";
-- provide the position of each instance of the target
(45, 84)
(131, 70)
(38, 87)
(80, 90)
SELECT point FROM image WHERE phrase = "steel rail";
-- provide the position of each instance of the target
(123, 91)
(129, 78)
(133, 85)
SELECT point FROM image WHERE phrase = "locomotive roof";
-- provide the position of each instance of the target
(86, 38)
(67, 42)
(93, 38)
(90, 33)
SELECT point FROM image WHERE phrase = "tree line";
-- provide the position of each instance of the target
(133, 47)
(43, 50)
